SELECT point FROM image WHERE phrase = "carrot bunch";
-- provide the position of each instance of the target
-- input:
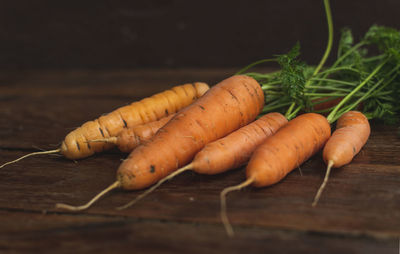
(296, 88)
(226, 107)
(213, 131)
(354, 80)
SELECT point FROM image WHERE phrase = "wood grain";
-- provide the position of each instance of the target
(359, 211)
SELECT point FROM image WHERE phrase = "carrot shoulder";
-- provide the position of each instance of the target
(227, 106)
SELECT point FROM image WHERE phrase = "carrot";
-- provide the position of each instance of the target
(279, 154)
(231, 151)
(369, 85)
(351, 134)
(227, 106)
(323, 105)
(129, 138)
(76, 145)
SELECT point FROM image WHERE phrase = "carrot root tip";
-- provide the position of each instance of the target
(224, 193)
(322, 187)
(29, 155)
(115, 185)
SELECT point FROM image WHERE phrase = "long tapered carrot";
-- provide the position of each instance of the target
(279, 154)
(76, 145)
(227, 106)
(351, 134)
(129, 138)
(227, 153)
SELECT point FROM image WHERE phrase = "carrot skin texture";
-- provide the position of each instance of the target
(235, 149)
(351, 134)
(129, 139)
(292, 145)
(227, 106)
(76, 145)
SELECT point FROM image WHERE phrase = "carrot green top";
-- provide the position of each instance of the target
(355, 78)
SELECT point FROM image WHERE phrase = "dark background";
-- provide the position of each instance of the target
(173, 33)
(65, 62)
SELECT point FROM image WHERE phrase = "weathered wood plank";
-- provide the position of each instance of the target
(355, 199)
(359, 210)
(40, 233)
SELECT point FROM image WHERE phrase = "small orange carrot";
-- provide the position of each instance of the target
(227, 153)
(226, 107)
(76, 145)
(351, 134)
(129, 138)
(279, 154)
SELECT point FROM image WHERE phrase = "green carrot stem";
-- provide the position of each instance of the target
(351, 50)
(270, 85)
(343, 68)
(362, 98)
(330, 37)
(293, 114)
(369, 92)
(374, 58)
(326, 53)
(387, 83)
(270, 108)
(332, 115)
(334, 81)
(326, 94)
(256, 63)
(257, 76)
(289, 111)
(330, 88)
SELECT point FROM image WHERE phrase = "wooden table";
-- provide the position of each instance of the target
(359, 211)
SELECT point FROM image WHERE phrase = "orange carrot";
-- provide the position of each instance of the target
(233, 103)
(279, 154)
(76, 145)
(227, 106)
(129, 138)
(235, 149)
(229, 152)
(351, 134)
